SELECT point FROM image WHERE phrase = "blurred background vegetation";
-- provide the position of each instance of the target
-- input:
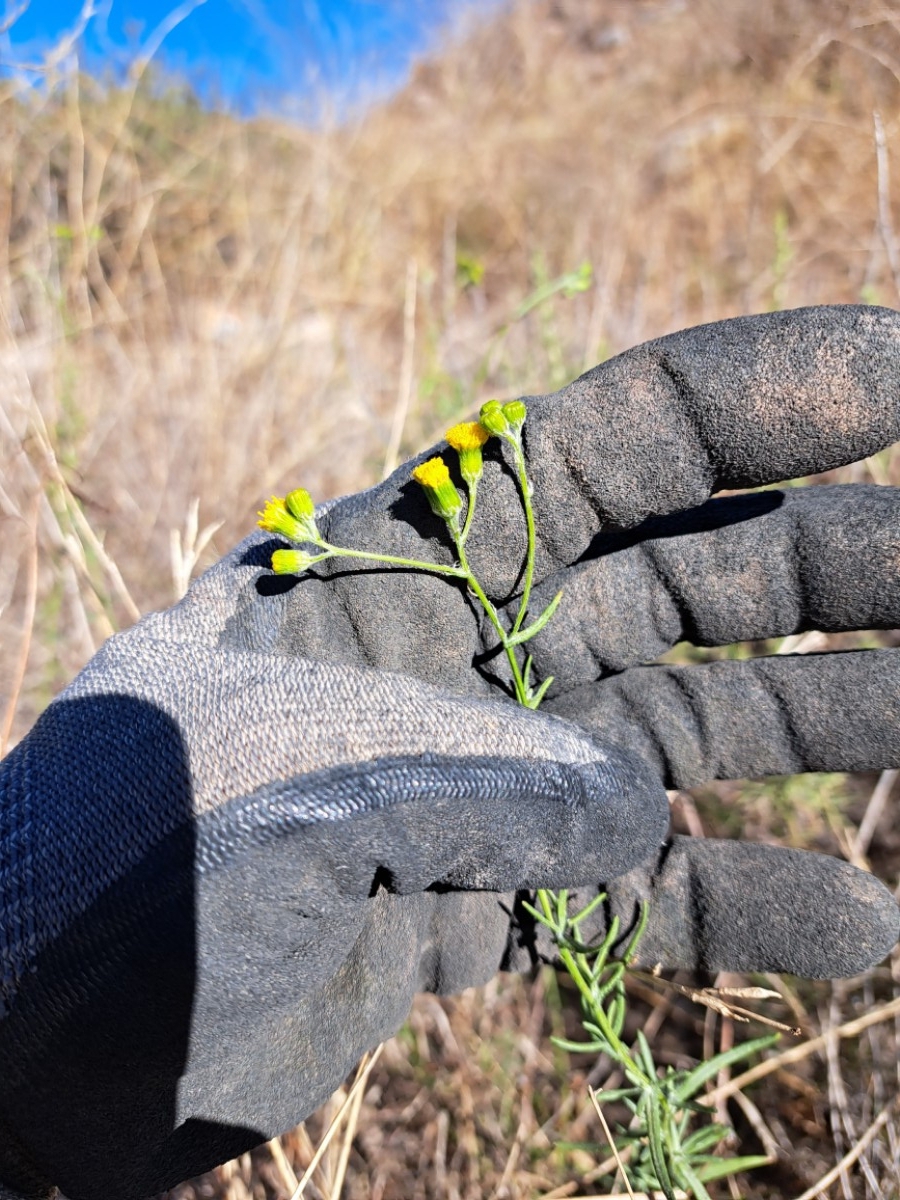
(198, 309)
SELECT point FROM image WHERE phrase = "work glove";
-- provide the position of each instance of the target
(258, 823)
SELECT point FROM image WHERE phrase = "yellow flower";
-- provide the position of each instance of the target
(275, 518)
(468, 435)
(293, 517)
(443, 497)
(432, 474)
(467, 440)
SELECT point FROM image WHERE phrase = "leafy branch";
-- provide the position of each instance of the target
(665, 1148)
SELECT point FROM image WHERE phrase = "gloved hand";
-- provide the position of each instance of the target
(257, 823)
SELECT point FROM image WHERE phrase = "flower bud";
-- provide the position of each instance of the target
(493, 419)
(443, 497)
(291, 562)
(467, 440)
(515, 412)
(299, 504)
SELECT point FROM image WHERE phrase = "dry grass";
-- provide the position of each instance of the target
(193, 306)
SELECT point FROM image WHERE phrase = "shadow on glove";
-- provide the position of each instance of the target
(99, 1027)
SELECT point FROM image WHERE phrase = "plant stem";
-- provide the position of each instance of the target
(493, 617)
(621, 1053)
(435, 568)
(473, 496)
(525, 489)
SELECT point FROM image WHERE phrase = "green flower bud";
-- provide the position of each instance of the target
(493, 419)
(299, 504)
(515, 412)
(292, 562)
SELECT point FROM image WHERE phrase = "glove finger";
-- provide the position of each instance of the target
(765, 716)
(737, 906)
(735, 404)
(656, 430)
(740, 568)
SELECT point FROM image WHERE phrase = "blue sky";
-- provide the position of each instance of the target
(254, 53)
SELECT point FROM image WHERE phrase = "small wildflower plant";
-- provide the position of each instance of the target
(293, 518)
(663, 1150)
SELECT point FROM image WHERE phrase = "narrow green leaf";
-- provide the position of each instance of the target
(616, 1094)
(589, 907)
(638, 933)
(719, 1168)
(690, 1180)
(526, 674)
(707, 1070)
(537, 625)
(597, 1047)
(704, 1139)
(656, 1146)
(646, 1054)
(617, 1013)
(541, 692)
(548, 902)
(538, 916)
(612, 981)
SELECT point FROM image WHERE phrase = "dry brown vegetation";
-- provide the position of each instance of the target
(198, 307)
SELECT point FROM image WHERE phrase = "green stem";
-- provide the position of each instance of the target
(493, 617)
(525, 489)
(470, 511)
(415, 563)
(621, 1053)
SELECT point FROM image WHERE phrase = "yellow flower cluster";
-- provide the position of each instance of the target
(275, 518)
(293, 517)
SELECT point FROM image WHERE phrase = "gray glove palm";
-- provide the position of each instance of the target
(254, 826)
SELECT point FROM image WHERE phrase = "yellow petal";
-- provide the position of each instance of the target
(432, 474)
(468, 435)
